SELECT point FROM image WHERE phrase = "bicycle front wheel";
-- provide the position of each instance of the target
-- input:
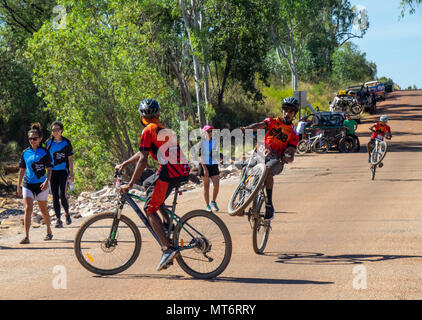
(205, 244)
(302, 146)
(104, 251)
(247, 189)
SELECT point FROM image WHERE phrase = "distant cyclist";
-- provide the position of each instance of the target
(161, 144)
(281, 139)
(379, 128)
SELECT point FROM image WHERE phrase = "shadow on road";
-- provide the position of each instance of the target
(35, 248)
(218, 279)
(322, 259)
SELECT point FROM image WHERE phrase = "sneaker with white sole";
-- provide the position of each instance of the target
(214, 206)
(167, 257)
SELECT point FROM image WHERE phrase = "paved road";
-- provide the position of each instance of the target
(336, 235)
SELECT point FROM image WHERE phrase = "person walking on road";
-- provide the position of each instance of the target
(35, 173)
(61, 152)
(208, 169)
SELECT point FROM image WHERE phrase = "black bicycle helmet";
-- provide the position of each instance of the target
(291, 102)
(149, 108)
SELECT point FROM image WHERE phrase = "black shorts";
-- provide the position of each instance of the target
(274, 164)
(212, 170)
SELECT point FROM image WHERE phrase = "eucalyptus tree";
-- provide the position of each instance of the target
(307, 32)
(92, 74)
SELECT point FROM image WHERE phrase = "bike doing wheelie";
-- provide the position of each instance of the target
(377, 147)
(277, 149)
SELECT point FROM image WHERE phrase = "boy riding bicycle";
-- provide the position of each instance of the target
(161, 144)
(281, 139)
(379, 128)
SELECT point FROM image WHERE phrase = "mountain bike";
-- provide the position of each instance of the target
(251, 189)
(378, 152)
(110, 242)
(314, 143)
(340, 141)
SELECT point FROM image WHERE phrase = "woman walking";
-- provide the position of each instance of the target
(61, 153)
(209, 168)
(34, 163)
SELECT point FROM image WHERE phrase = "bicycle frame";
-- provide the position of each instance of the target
(128, 197)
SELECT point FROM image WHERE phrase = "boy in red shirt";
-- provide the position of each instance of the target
(161, 144)
(379, 128)
(281, 139)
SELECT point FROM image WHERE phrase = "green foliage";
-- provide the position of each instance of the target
(92, 76)
(349, 64)
(409, 5)
(19, 104)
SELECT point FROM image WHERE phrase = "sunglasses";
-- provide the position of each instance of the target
(56, 130)
(36, 138)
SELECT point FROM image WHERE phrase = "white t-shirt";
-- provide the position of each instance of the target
(300, 127)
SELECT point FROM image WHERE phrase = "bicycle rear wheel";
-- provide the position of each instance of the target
(247, 189)
(373, 169)
(102, 253)
(346, 144)
(205, 243)
(321, 146)
(261, 228)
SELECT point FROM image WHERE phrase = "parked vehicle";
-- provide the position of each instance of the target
(347, 102)
(378, 87)
(328, 133)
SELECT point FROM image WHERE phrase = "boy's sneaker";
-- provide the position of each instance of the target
(48, 237)
(269, 212)
(208, 208)
(167, 257)
(68, 219)
(59, 224)
(214, 206)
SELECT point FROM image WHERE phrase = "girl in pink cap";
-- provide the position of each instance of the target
(208, 169)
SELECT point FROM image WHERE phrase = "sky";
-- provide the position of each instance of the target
(393, 43)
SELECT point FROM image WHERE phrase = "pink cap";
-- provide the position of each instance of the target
(207, 127)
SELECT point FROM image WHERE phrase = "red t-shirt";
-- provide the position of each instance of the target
(163, 147)
(381, 130)
(279, 136)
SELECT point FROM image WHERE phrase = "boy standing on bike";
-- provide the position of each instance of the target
(281, 139)
(379, 128)
(162, 145)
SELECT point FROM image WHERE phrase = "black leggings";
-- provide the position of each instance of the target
(59, 190)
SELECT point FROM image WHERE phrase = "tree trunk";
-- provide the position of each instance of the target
(184, 90)
(196, 66)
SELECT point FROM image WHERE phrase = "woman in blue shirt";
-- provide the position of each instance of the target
(34, 163)
(61, 153)
(209, 168)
